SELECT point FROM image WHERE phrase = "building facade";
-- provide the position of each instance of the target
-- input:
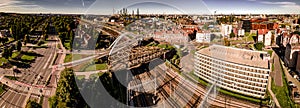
(246, 25)
(226, 29)
(238, 70)
(203, 37)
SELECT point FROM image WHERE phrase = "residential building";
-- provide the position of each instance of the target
(238, 70)
(291, 51)
(203, 37)
(226, 29)
(241, 32)
(298, 62)
(268, 39)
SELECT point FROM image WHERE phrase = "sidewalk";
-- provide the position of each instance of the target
(272, 94)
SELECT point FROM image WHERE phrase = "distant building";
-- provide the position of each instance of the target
(246, 25)
(268, 39)
(261, 35)
(238, 70)
(291, 51)
(241, 32)
(290, 57)
(203, 37)
(226, 29)
(298, 62)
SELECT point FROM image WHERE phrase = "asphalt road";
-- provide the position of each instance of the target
(36, 75)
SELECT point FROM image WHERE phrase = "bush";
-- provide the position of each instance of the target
(259, 46)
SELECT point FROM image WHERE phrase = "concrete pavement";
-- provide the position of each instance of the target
(88, 74)
(277, 71)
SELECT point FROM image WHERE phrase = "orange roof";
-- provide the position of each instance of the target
(262, 31)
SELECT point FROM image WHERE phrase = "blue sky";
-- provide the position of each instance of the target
(153, 6)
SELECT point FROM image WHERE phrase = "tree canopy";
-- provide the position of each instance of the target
(33, 104)
(67, 92)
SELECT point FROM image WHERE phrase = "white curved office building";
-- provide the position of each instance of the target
(239, 70)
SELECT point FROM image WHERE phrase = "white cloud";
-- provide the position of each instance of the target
(278, 3)
(7, 2)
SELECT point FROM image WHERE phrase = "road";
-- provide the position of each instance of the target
(32, 81)
(88, 74)
(277, 71)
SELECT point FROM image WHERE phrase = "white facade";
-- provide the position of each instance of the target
(241, 32)
(226, 29)
(221, 67)
(260, 38)
(203, 37)
(268, 38)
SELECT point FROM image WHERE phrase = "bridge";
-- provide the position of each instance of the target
(135, 57)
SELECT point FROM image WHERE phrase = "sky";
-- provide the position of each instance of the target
(108, 7)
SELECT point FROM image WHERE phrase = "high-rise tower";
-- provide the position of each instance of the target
(138, 13)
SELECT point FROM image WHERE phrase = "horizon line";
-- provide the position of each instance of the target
(57, 13)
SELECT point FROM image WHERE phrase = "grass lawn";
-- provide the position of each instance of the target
(93, 67)
(80, 77)
(97, 75)
(67, 45)
(3, 61)
(15, 54)
(68, 58)
(72, 57)
(28, 57)
(241, 96)
(270, 52)
(283, 93)
(11, 77)
(10, 40)
(2, 88)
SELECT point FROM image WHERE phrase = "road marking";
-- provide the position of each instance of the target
(47, 61)
(3, 102)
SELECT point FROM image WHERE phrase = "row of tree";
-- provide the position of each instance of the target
(8, 50)
(67, 93)
(65, 27)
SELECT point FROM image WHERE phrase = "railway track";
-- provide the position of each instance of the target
(175, 91)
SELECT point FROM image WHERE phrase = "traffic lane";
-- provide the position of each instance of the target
(8, 101)
(16, 99)
(21, 100)
(38, 65)
(3, 98)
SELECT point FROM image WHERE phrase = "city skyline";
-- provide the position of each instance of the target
(152, 6)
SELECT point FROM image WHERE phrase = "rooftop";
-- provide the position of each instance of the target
(236, 55)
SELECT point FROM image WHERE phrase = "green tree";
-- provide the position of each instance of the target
(46, 36)
(19, 46)
(259, 46)
(10, 51)
(33, 104)
(67, 93)
(26, 39)
(232, 34)
(226, 42)
(5, 53)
